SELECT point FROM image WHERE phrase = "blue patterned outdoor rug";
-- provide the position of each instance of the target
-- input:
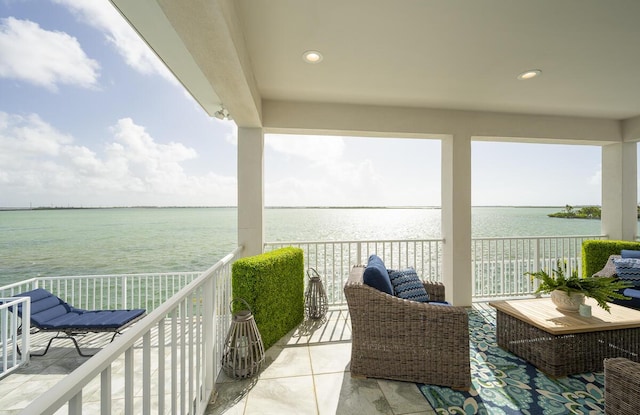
(502, 383)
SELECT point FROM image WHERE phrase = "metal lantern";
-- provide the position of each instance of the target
(316, 303)
(243, 351)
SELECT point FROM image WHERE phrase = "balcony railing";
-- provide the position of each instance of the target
(333, 260)
(167, 361)
(121, 291)
(91, 292)
(498, 264)
(13, 335)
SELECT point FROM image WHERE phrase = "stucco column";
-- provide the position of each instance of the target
(251, 190)
(456, 218)
(619, 191)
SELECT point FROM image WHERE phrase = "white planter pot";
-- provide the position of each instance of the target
(564, 302)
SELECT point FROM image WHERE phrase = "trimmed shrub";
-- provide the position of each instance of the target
(596, 252)
(273, 285)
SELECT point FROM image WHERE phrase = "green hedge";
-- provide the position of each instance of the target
(273, 285)
(596, 252)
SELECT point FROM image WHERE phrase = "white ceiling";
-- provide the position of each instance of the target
(452, 54)
(395, 55)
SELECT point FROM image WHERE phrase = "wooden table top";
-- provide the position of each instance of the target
(542, 313)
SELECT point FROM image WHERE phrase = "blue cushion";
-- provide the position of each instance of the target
(375, 275)
(627, 268)
(50, 312)
(631, 292)
(630, 253)
(93, 320)
(407, 285)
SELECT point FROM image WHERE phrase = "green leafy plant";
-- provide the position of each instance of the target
(601, 289)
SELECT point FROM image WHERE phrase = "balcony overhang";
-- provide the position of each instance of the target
(411, 68)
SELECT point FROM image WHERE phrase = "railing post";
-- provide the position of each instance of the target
(536, 263)
(26, 330)
(209, 324)
(123, 284)
(359, 253)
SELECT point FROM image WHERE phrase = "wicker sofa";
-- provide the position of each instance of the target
(405, 340)
(622, 386)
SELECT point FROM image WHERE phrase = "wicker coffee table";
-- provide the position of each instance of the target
(560, 343)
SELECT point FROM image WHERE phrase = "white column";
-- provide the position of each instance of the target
(251, 190)
(619, 191)
(456, 219)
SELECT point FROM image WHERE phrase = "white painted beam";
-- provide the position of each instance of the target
(355, 120)
(456, 219)
(619, 191)
(251, 190)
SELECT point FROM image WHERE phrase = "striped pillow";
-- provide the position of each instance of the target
(627, 268)
(407, 285)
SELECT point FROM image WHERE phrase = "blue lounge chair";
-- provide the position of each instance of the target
(51, 313)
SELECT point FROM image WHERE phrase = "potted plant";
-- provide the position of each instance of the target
(568, 293)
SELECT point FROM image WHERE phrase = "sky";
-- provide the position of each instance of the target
(90, 117)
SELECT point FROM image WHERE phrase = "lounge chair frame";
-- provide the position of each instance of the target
(69, 322)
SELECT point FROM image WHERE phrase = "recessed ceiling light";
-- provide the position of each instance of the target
(312, 56)
(531, 73)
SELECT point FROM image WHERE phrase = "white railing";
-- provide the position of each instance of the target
(122, 291)
(167, 361)
(333, 260)
(498, 264)
(12, 335)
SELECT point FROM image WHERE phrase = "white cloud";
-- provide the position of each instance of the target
(103, 16)
(41, 165)
(232, 136)
(41, 57)
(328, 178)
(318, 149)
(596, 179)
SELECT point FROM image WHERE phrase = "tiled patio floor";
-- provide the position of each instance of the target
(306, 372)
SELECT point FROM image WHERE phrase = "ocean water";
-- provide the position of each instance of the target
(135, 240)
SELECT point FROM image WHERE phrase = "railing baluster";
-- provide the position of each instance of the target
(105, 391)
(161, 367)
(75, 404)
(128, 381)
(146, 374)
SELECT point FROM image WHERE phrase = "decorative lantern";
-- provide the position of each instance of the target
(243, 351)
(315, 298)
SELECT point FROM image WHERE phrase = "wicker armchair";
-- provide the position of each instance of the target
(406, 340)
(621, 386)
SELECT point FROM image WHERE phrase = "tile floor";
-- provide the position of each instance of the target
(306, 372)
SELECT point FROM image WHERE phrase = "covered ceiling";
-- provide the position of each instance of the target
(462, 55)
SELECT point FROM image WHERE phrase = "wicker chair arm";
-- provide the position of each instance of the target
(622, 386)
(435, 290)
(386, 303)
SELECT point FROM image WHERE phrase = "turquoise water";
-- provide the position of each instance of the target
(136, 240)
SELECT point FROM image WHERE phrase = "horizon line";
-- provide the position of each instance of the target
(9, 208)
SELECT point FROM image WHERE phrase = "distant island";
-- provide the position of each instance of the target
(586, 212)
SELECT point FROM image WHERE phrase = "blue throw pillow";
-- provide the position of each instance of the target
(375, 275)
(407, 285)
(630, 253)
(627, 268)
